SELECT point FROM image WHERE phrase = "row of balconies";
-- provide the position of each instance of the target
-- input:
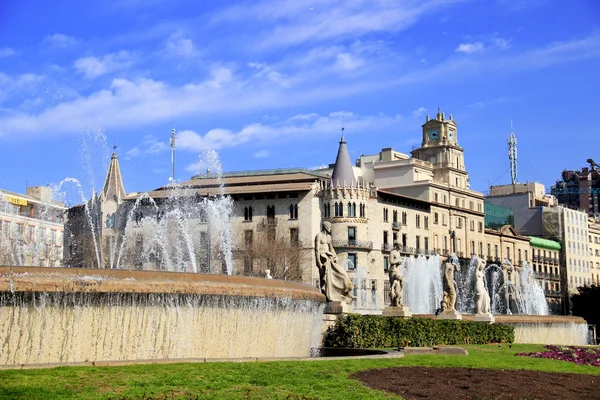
(547, 260)
(552, 293)
(547, 276)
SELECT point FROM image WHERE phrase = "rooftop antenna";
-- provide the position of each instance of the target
(173, 137)
(512, 154)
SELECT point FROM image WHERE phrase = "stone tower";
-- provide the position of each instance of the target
(440, 147)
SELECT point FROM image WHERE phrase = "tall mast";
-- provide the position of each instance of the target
(512, 154)
(172, 178)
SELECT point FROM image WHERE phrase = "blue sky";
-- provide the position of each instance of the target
(267, 83)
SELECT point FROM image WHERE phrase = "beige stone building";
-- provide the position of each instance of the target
(31, 228)
(422, 201)
(594, 250)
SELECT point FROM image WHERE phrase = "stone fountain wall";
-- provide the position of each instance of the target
(69, 315)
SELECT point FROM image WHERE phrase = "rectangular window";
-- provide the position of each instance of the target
(294, 235)
(426, 221)
(418, 221)
(418, 242)
(472, 247)
(351, 233)
(489, 250)
(351, 261)
(445, 243)
(404, 239)
(271, 233)
(496, 250)
(508, 253)
(385, 237)
(248, 236)
(426, 243)
(480, 226)
(386, 263)
(436, 218)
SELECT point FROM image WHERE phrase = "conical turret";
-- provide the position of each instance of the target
(342, 172)
(113, 185)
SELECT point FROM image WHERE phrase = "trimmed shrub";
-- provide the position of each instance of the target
(370, 331)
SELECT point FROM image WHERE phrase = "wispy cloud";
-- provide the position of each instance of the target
(60, 40)
(470, 48)
(294, 126)
(180, 46)
(419, 112)
(294, 22)
(261, 154)
(7, 52)
(93, 67)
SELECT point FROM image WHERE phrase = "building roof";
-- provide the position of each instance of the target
(261, 172)
(237, 184)
(29, 199)
(342, 171)
(544, 243)
(113, 184)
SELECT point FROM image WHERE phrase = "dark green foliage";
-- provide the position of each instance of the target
(585, 304)
(370, 331)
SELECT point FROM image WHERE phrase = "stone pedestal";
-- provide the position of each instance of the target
(449, 315)
(397, 311)
(333, 307)
(484, 318)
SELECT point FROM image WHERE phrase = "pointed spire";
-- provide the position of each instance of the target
(342, 171)
(113, 184)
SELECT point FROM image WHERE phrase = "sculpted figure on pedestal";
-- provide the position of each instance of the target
(449, 300)
(396, 279)
(335, 282)
(482, 298)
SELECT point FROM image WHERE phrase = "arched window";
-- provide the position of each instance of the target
(248, 213)
(349, 209)
(336, 209)
(354, 209)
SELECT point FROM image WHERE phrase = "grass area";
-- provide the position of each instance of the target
(252, 380)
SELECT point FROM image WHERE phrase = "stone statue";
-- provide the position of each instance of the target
(482, 298)
(268, 274)
(335, 282)
(395, 274)
(449, 300)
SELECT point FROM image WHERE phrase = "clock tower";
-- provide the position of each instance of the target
(440, 147)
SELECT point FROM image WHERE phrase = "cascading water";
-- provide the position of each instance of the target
(365, 297)
(423, 289)
(465, 288)
(531, 300)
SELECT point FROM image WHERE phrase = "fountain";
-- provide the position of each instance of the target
(165, 309)
(422, 283)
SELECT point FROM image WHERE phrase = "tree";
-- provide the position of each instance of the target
(585, 304)
(285, 257)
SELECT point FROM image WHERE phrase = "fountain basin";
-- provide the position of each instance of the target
(73, 315)
(541, 329)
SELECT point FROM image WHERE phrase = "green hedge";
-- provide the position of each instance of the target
(371, 331)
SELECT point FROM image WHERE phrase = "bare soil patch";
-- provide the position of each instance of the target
(481, 384)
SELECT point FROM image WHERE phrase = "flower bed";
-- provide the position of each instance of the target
(577, 355)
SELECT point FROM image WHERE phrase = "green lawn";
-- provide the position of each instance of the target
(251, 380)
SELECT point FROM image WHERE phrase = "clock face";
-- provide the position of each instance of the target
(450, 133)
(434, 134)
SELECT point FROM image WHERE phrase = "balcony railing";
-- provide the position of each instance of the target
(396, 225)
(355, 244)
(269, 221)
(551, 293)
(387, 247)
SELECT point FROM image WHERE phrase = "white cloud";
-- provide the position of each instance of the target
(93, 67)
(470, 48)
(60, 40)
(181, 47)
(502, 44)
(348, 62)
(292, 23)
(261, 154)
(265, 71)
(219, 138)
(419, 112)
(134, 152)
(7, 52)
